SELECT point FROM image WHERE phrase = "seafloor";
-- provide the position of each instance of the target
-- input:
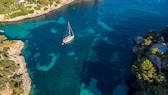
(98, 61)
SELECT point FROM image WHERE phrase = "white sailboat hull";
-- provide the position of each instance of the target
(1, 31)
(68, 39)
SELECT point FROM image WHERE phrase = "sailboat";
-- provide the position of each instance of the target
(69, 37)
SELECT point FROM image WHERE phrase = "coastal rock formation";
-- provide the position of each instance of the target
(151, 66)
(6, 92)
(14, 78)
(30, 10)
(14, 54)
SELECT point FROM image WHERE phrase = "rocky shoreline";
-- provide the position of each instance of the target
(14, 54)
(151, 66)
(36, 12)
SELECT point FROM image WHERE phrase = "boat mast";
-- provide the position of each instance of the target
(70, 31)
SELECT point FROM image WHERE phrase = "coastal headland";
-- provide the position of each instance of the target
(30, 10)
(14, 77)
(151, 66)
(14, 54)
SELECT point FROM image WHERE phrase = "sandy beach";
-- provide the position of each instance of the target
(14, 54)
(36, 12)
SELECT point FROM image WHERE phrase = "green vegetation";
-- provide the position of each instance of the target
(15, 84)
(16, 14)
(151, 68)
(13, 9)
(45, 9)
(150, 38)
(146, 71)
(28, 7)
(147, 41)
(7, 68)
(30, 11)
(37, 7)
(8, 6)
(156, 51)
(58, 1)
(3, 38)
(43, 2)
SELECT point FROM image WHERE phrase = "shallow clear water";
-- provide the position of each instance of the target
(98, 61)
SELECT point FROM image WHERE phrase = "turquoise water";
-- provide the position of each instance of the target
(98, 61)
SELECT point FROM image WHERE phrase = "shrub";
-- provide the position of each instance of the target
(58, 2)
(156, 50)
(16, 14)
(30, 11)
(55, 5)
(45, 9)
(37, 7)
(2, 37)
(43, 2)
(28, 7)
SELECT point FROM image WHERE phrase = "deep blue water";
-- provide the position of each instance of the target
(98, 61)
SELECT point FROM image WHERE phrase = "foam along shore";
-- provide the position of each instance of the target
(36, 12)
(14, 54)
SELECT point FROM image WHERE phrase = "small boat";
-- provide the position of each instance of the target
(69, 37)
(1, 31)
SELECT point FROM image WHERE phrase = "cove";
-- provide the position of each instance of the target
(98, 61)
